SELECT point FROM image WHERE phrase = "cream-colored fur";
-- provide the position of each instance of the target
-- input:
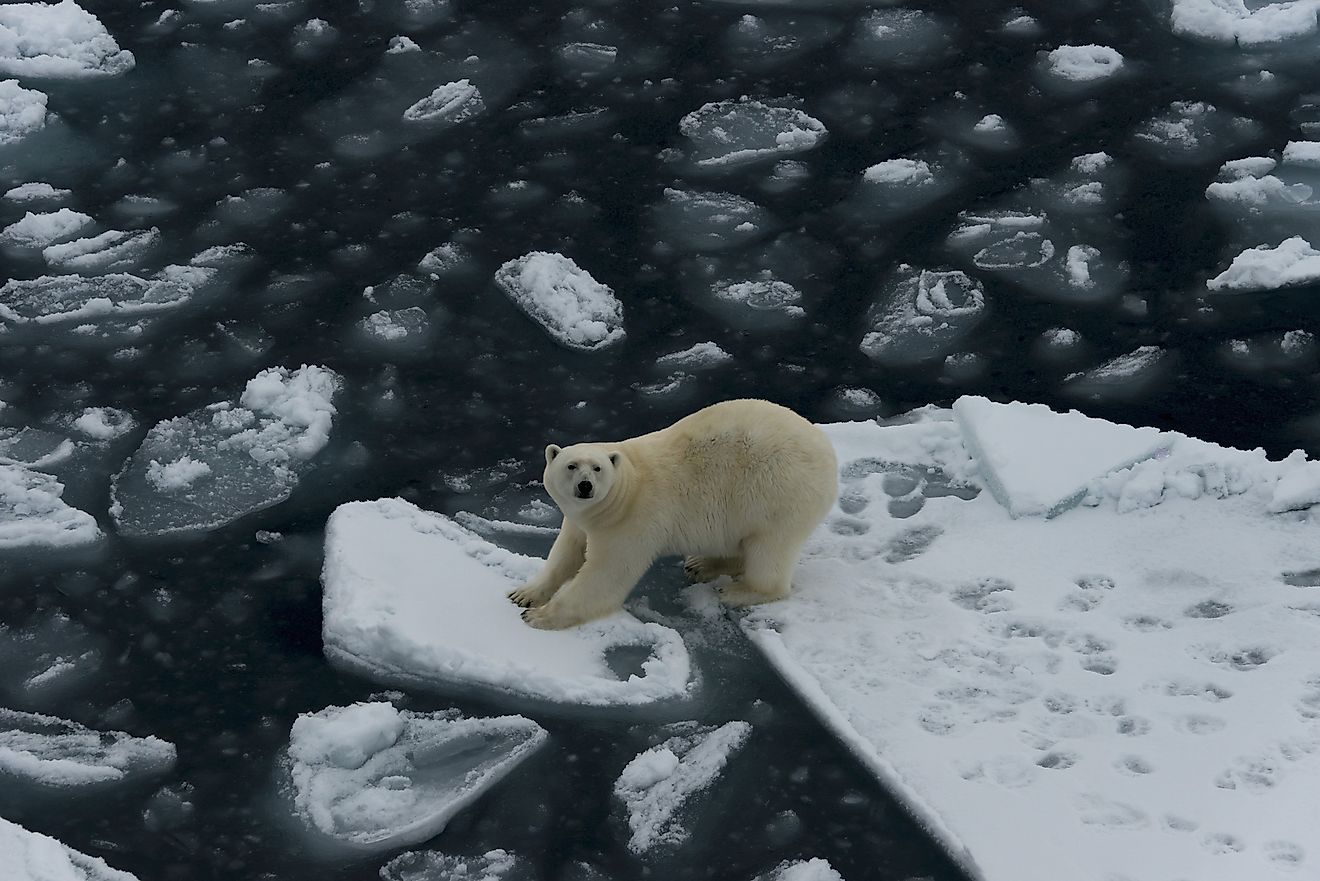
(735, 488)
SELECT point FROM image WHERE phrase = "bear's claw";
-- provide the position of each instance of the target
(519, 598)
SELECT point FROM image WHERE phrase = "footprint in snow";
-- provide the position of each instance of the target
(1096, 810)
(1284, 854)
(1222, 843)
(911, 543)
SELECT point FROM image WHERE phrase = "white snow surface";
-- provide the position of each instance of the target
(1302, 152)
(375, 778)
(658, 782)
(22, 112)
(413, 598)
(57, 41)
(32, 514)
(1084, 64)
(1249, 24)
(562, 297)
(1263, 268)
(1036, 461)
(31, 856)
(1130, 689)
(58, 753)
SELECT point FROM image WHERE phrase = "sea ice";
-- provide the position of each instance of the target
(656, 785)
(31, 856)
(922, 314)
(1082, 64)
(901, 186)
(22, 112)
(575, 309)
(1293, 262)
(447, 104)
(704, 222)
(36, 192)
(375, 778)
(46, 660)
(815, 869)
(1194, 131)
(58, 753)
(57, 41)
(1245, 22)
(761, 42)
(430, 865)
(905, 38)
(1132, 681)
(110, 251)
(228, 459)
(413, 598)
(32, 514)
(727, 134)
(700, 356)
(1123, 376)
(37, 230)
(63, 299)
(1036, 461)
(1273, 209)
(765, 287)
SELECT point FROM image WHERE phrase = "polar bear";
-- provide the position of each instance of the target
(735, 488)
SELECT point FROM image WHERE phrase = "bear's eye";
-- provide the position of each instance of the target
(595, 467)
(572, 467)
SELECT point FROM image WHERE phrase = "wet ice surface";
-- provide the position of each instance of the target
(195, 193)
(54, 752)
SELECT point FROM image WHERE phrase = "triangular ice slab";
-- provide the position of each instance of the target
(413, 598)
(374, 777)
(31, 856)
(1036, 461)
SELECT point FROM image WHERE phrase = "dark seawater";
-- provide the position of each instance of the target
(213, 641)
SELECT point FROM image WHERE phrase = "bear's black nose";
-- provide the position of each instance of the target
(584, 489)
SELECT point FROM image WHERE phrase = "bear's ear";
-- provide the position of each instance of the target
(614, 458)
(552, 450)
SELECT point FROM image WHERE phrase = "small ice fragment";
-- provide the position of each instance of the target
(104, 423)
(1263, 268)
(1302, 153)
(36, 192)
(1084, 64)
(37, 230)
(58, 753)
(659, 782)
(1248, 24)
(913, 172)
(815, 869)
(430, 865)
(450, 103)
(700, 356)
(401, 44)
(575, 309)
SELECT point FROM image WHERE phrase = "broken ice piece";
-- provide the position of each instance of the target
(58, 753)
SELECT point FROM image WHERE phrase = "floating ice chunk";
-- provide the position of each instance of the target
(40, 230)
(562, 297)
(922, 314)
(763, 294)
(450, 103)
(376, 778)
(57, 41)
(46, 660)
(402, 44)
(912, 172)
(1293, 262)
(1078, 265)
(36, 192)
(991, 122)
(112, 250)
(413, 598)
(1305, 153)
(54, 752)
(1083, 64)
(104, 423)
(33, 447)
(701, 356)
(906, 38)
(31, 856)
(898, 187)
(1194, 131)
(815, 869)
(759, 43)
(1039, 462)
(22, 112)
(727, 134)
(1125, 374)
(1245, 22)
(445, 259)
(33, 515)
(66, 298)
(429, 865)
(656, 785)
(694, 221)
(397, 326)
(226, 460)
(585, 58)
(1257, 192)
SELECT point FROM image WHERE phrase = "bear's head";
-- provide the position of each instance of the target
(580, 477)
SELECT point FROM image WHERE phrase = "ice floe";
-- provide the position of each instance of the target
(1135, 681)
(228, 459)
(727, 134)
(761, 42)
(904, 38)
(375, 778)
(656, 785)
(31, 856)
(1082, 64)
(1293, 262)
(1194, 131)
(448, 104)
(22, 112)
(57, 753)
(36, 191)
(413, 598)
(562, 297)
(430, 865)
(703, 221)
(922, 314)
(815, 869)
(32, 514)
(1243, 22)
(699, 356)
(57, 41)
(46, 660)
(110, 251)
(40, 229)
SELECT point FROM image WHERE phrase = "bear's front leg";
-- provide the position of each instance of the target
(598, 589)
(565, 559)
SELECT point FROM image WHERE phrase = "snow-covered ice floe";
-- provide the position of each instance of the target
(22, 112)
(54, 752)
(413, 598)
(58, 41)
(32, 514)
(815, 869)
(1245, 22)
(373, 777)
(657, 783)
(1129, 689)
(728, 134)
(31, 856)
(227, 459)
(562, 297)
(922, 314)
(430, 865)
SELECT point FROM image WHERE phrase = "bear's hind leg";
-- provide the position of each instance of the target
(767, 572)
(700, 568)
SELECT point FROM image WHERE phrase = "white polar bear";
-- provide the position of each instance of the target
(735, 488)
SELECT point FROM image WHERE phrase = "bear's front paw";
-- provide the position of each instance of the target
(528, 596)
(545, 618)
